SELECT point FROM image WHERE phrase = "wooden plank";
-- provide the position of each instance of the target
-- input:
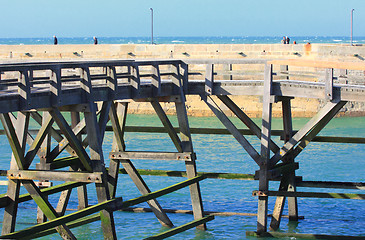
(311, 194)
(55, 175)
(167, 124)
(159, 193)
(232, 129)
(185, 156)
(214, 213)
(223, 131)
(65, 162)
(237, 176)
(330, 184)
(181, 228)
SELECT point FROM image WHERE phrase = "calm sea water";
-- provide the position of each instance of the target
(182, 40)
(221, 153)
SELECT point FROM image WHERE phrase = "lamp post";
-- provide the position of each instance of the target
(352, 17)
(151, 25)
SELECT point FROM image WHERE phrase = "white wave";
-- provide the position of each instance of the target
(177, 41)
(337, 40)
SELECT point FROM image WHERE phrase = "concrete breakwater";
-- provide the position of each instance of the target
(252, 105)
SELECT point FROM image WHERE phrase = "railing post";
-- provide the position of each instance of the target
(56, 86)
(328, 82)
(209, 79)
(24, 90)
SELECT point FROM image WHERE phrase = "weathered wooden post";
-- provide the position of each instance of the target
(265, 151)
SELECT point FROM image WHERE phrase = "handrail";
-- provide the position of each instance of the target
(320, 64)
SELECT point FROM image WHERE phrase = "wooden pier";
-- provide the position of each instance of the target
(96, 94)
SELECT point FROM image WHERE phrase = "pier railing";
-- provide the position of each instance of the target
(77, 87)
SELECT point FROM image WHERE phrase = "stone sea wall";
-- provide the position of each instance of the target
(250, 104)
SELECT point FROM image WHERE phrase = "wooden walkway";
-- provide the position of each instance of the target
(96, 93)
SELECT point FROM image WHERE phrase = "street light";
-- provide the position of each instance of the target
(151, 25)
(352, 17)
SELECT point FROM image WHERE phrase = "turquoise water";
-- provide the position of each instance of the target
(221, 153)
(182, 40)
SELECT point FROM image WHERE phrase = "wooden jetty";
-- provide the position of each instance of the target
(96, 94)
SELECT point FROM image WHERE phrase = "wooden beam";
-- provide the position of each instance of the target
(191, 171)
(55, 175)
(115, 204)
(330, 184)
(73, 224)
(13, 139)
(246, 120)
(232, 128)
(72, 139)
(167, 124)
(46, 208)
(311, 194)
(185, 156)
(181, 228)
(320, 64)
(144, 189)
(288, 146)
(262, 208)
(12, 195)
(209, 79)
(328, 83)
(236, 176)
(37, 143)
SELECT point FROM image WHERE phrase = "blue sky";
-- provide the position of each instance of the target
(128, 18)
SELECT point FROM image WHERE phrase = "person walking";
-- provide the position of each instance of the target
(55, 41)
(287, 40)
(95, 40)
(283, 41)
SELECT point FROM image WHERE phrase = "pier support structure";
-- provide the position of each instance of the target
(73, 113)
